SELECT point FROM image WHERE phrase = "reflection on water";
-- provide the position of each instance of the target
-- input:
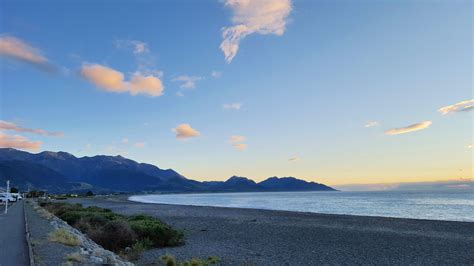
(454, 206)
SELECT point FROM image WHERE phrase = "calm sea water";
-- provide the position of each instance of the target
(445, 205)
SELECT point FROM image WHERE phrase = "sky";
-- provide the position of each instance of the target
(337, 92)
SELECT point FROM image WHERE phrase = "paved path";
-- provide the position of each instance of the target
(13, 247)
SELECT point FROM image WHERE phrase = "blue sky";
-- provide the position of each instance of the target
(308, 76)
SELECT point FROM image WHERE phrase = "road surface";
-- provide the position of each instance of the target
(13, 247)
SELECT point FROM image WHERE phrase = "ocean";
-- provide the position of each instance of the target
(432, 205)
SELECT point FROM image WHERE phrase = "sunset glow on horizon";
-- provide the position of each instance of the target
(315, 90)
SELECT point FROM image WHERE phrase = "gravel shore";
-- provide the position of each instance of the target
(263, 237)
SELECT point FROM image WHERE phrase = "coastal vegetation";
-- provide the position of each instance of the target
(169, 260)
(64, 237)
(126, 235)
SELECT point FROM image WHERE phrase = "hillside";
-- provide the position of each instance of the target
(63, 172)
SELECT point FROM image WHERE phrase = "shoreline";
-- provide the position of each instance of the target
(301, 212)
(251, 200)
(263, 237)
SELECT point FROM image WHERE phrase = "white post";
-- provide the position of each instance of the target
(7, 196)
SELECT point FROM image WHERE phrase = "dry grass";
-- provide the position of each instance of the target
(64, 237)
(75, 257)
(169, 260)
(44, 213)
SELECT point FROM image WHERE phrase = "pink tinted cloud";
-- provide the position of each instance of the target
(18, 142)
(4, 125)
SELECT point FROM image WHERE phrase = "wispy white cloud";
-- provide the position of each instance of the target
(232, 106)
(470, 146)
(187, 82)
(180, 94)
(372, 124)
(464, 106)
(410, 128)
(20, 50)
(145, 59)
(18, 142)
(257, 16)
(216, 74)
(114, 81)
(138, 47)
(4, 125)
(185, 131)
(124, 141)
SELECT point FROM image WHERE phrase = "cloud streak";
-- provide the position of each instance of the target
(187, 82)
(236, 139)
(240, 146)
(19, 50)
(112, 80)
(236, 142)
(294, 159)
(232, 106)
(139, 145)
(18, 142)
(216, 74)
(372, 124)
(408, 129)
(256, 16)
(138, 47)
(4, 125)
(185, 131)
(464, 106)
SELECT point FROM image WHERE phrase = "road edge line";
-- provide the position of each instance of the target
(28, 239)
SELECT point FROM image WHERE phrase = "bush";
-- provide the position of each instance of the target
(168, 260)
(138, 248)
(117, 232)
(213, 260)
(158, 232)
(114, 235)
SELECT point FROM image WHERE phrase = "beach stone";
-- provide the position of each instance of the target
(94, 259)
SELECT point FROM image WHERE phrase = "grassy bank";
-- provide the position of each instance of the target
(126, 235)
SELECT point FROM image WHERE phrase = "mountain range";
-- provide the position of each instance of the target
(63, 172)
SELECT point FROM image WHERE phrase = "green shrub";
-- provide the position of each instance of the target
(213, 260)
(114, 231)
(158, 232)
(114, 235)
(195, 262)
(138, 248)
(168, 260)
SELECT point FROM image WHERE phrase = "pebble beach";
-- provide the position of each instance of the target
(265, 237)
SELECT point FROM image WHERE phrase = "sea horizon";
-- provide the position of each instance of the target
(429, 205)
